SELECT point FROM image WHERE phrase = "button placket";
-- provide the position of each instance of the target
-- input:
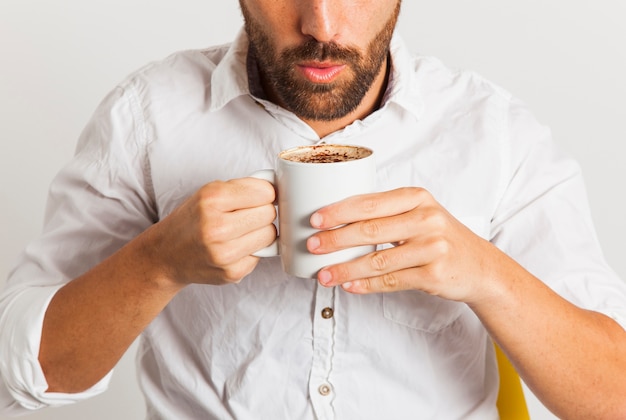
(320, 387)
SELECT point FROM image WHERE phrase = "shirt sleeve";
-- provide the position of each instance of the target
(544, 221)
(96, 204)
(24, 386)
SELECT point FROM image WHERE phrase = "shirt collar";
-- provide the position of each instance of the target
(230, 78)
(403, 84)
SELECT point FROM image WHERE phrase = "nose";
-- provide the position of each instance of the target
(320, 19)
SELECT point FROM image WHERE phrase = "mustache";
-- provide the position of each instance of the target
(321, 51)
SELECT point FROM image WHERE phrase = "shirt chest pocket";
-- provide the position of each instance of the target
(421, 311)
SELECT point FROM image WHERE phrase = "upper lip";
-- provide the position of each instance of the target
(320, 65)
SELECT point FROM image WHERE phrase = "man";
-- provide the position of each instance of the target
(482, 234)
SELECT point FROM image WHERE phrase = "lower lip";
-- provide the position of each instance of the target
(321, 74)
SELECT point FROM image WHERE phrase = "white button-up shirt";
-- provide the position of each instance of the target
(279, 347)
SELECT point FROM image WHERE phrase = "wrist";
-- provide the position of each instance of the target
(152, 262)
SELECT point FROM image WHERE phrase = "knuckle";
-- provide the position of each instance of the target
(217, 232)
(369, 205)
(214, 194)
(421, 193)
(440, 246)
(235, 273)
(217, 260)
(222, 257)
(389, 282)
(379, 261)
(370, 229)
(414, 194)
(213, 190)
(436, 273)
(439, 221)
(365, 285)
(434, 219)
(412, 190)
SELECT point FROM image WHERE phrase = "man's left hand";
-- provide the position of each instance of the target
(433, 251)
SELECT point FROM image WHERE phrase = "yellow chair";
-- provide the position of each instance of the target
(511, 401)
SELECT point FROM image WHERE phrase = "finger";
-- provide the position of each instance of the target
(392, 282)
(424, 278)
(223, 227)
(237, 194)
(379, 264)
(369, 206)
(227, 253)
(423, 223)
(234, 273)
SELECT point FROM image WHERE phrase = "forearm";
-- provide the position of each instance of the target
(92, 321)
(209, 239)
(571, 358)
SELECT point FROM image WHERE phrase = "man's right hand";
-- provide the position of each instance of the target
(211, 237)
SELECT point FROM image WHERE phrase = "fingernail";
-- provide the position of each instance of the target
(347, 285)
(313, 243)
(324, 277)
(316, 220)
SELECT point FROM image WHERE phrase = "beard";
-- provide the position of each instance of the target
(318, 101)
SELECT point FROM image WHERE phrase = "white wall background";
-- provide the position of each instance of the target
(566, 59)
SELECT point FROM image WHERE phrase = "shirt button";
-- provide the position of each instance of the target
(324, 390)
(327, 313)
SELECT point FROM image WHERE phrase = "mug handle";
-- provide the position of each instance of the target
(271, 250)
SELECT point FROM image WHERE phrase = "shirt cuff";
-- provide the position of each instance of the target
(22, 382)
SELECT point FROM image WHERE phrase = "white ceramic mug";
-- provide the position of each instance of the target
(308, 178)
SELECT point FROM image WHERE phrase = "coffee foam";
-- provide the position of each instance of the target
(325, 153)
